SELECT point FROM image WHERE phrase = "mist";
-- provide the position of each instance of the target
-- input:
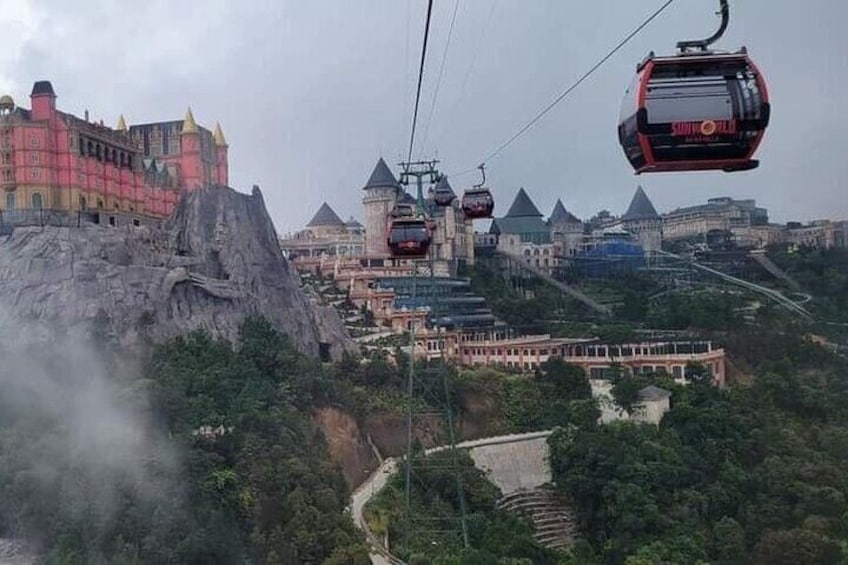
(80, 450)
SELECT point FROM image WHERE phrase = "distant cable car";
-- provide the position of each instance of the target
(697, 110)
(409, 237)
(443, 194)
(403, 210)
(477, 202)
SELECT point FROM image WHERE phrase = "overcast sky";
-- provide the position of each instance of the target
(310, 93)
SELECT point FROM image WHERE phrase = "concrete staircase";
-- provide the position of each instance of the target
(555, 522)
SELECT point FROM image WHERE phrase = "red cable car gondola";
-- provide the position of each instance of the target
(477, 202)
(443, 194)
(698, 110)
(409, 237)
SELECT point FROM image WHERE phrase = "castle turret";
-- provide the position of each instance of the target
(222, 175)
(566, 230)
(43, 100)
(190, 164)
(381, 192)
(642, 220)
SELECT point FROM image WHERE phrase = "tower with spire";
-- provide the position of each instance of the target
(190, 162)
(222, 165)
(566, 230)
(380, 194)
(643, 222)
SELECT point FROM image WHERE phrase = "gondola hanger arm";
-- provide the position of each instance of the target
(702, 44)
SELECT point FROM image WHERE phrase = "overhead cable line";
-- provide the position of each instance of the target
(475, 52)
(439, 79)
(573, 86)
(420, 78)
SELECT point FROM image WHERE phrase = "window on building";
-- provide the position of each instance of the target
(36, 174)
(7, 158)
(37, 201)
(100, 203)
(112, 221)
(82, 203)
(10, 201)
(7, 175)
(677, 371)
(34, 141)
(34, 158)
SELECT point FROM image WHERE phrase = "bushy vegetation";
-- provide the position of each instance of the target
(234, 472)
(747, 474)
(824, 274)
(557, 395)
(432, 534)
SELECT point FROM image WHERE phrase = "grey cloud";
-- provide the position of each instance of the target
(310, 93)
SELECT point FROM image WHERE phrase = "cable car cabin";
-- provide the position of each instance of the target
(402, 211)
(694, 112)
(409, 237)
(443, 196)
(478, 203)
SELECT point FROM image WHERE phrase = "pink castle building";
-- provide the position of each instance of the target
(55, 165)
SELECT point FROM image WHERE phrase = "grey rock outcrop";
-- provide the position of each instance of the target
(215, 261)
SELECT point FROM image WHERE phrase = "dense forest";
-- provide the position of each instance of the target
(206, 456)
(748, 474)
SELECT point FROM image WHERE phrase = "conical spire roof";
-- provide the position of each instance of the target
(189, 125)
(444, 185)
(220, 140)
(325, 216)
(381, 177)
(640, 207)
(522, 206)
(560, 215)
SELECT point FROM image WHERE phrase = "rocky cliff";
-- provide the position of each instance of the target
(215, 261)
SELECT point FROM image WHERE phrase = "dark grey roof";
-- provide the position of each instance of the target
(534, 229)
(325, 216)
(406, 198)
(443, 184)
(353, 223)
(523, 207)
(560, 215)
(640, 208)
(42, 87)
(652, 392)
(381, 177)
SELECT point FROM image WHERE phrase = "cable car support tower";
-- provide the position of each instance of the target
(429, 384)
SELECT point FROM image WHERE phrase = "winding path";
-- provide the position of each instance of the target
(496, 461)
(378, 479)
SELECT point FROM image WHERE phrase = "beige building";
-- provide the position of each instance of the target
(653, 403)
(596, 358)
(325, 236)
(820, 234)
(723, 213)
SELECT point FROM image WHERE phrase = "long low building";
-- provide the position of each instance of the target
(596, 358)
